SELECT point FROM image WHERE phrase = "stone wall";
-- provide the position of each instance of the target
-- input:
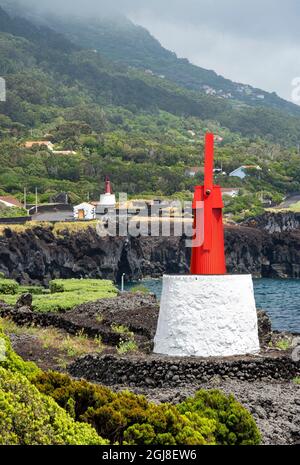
(159, 371)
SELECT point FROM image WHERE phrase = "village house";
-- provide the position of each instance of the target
(39, 143)
(241, 172)
(85, 211)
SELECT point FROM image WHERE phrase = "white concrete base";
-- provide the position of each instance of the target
(108, 200)
(207, 316)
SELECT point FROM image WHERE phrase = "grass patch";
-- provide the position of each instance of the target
(283, 344)
(52, 338)
(127, 346)
(120, 329)
(127, 342)
(73, 227)
(295, 207)
(297, 381)
(65, 294)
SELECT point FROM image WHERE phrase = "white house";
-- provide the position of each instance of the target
(241, 172)
(85, 211)
(230, 191)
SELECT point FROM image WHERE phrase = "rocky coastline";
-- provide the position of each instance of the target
(265, 247)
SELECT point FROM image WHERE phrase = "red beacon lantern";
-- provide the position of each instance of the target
(108, 189)
(208, 252)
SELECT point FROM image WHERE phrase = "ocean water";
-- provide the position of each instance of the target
(279, 298)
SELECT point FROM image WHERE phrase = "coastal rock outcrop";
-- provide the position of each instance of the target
(38, 255)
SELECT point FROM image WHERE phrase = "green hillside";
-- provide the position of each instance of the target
(137, 127)
(124, 42)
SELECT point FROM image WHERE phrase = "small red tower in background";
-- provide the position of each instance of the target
(209, 257)
(108, 188)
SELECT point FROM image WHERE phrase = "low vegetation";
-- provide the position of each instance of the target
(13, 212)
(127, 341)
(65, 345)
(139, 288)
(208, 418)
(64, 294)
(51, 408)
(28, 417)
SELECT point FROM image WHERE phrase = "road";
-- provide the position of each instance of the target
(290, 200)
(53, 216)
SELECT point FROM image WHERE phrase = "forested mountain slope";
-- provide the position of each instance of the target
(142, 130)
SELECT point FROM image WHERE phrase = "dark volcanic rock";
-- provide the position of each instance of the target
(264, 328)
(38, 255)
(24, 301)
(275, 222)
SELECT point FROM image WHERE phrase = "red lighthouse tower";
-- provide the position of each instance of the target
(209, 257)
(108, 189)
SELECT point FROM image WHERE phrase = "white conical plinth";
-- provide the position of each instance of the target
(207, 316)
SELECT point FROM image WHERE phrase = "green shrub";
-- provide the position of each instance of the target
(55, 287)
(85, 285)
(28, 417)
(123, 417)
(208, 418)
(235, 425)
(34, 290)
(11, 361)
(8, 286)
(65, 294)
(12, 212)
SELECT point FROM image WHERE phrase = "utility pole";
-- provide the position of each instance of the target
(25, 198)
(36, 200)
(122, 282)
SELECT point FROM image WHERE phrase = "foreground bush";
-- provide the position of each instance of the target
(52, 408)
(235, 425)
(11, 361)
(29, 418)
(208, 418)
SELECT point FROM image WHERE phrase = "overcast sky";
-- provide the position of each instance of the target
(256, 42)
